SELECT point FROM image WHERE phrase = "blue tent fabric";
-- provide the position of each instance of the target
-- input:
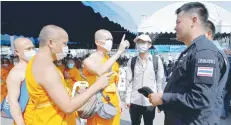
(114, 13)
(5, 42)
(5, 37)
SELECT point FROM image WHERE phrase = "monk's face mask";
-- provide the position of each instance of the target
(59, 55)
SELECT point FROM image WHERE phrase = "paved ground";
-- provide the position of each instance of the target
(159, 119)
(125, 120)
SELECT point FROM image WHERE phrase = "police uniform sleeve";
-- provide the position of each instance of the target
(203, 72)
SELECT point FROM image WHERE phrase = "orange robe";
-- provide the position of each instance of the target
(5, 72)
(11, 66)
(43, 110)
(109, 91)
(61, 68)
(4, 75)
(3, 90)
(74, 76)
(115, 68)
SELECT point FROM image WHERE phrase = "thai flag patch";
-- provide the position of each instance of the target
(205, 71)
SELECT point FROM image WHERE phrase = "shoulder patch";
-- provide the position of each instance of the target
(205, 71)
(207, 61)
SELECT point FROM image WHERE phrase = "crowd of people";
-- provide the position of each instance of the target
(196, 92)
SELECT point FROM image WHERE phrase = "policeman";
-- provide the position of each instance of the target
(210, 33)
(190, 95)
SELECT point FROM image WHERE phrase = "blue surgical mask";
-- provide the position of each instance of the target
(70, 66)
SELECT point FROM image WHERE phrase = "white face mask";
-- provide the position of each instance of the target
(29, 54)
(63, 54)
(142, 47)
(108, 45)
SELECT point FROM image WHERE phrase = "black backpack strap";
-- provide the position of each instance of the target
(155, 64)
(133, 63)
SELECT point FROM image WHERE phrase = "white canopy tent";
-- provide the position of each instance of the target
(164, 20)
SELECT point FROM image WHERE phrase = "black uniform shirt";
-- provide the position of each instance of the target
(192, 92)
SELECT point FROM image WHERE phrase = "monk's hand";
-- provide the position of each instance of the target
(124, 44)
(103, 80)
(155, 99)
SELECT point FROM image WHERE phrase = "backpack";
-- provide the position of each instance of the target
(23, 100)
(155, 65)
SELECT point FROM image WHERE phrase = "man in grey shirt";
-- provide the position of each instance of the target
(144, 75)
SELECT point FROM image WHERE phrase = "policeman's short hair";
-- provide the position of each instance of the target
(195, 7)
(210, 27)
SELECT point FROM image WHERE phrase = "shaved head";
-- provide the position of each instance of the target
(102, 34)
(21, 45)
(52, 32)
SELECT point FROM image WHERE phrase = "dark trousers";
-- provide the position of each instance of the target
(169, 120)
(226, 104)
(137, 111)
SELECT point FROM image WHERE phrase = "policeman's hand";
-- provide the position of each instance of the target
(103, 80)
(128, 105)
(155, 99)
(124, 44)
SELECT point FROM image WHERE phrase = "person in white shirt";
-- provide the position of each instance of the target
(144, 75)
